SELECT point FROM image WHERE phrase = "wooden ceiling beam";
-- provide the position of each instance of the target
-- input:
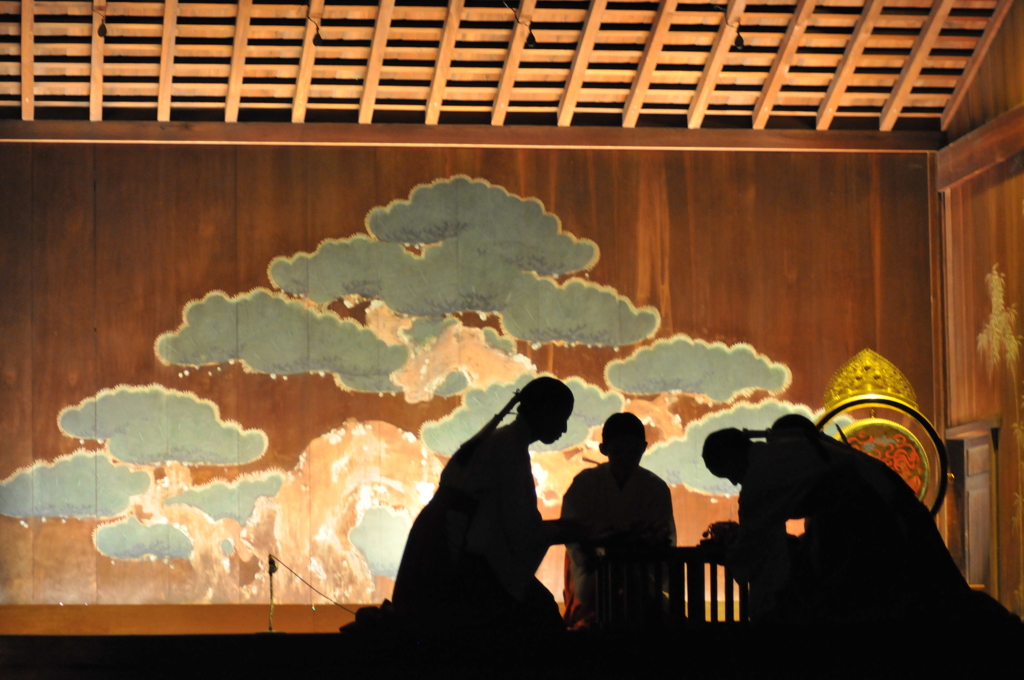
(724, 40)
(971, 70)
(915, 62)
(854, 49)
(234, 97)
(511, 68)
(99, 12)
(648, 62)
(444, 61)
(470, 136)
(780, 66)
(28, 80)
(305, 77)
(163, 99)
(375, 62)
(993, 143)
(580, 61)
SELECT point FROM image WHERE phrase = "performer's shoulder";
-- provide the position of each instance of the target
(589, 476)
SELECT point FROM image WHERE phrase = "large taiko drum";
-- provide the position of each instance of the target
(871, 404)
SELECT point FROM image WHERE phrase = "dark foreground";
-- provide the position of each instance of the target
(876, 652)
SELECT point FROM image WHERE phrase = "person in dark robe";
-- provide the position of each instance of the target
(619, 504)
(472, 553)
(870, 550)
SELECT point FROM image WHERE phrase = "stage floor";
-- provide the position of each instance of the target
(708, 652)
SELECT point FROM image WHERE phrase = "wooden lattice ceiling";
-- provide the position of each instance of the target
(673, 63)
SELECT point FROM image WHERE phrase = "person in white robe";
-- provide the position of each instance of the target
(617, 503)
(470, 560)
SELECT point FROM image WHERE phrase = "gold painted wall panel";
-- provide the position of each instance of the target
(793, 262)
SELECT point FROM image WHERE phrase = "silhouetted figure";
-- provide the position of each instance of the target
(870, 551)
(472, 553)
(619, 504)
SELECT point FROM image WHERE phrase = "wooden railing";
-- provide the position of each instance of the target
(637, 589)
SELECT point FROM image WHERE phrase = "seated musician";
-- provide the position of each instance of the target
(470, 559)
(618, 503)
(870, 552)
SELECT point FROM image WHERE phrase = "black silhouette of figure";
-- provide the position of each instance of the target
(472, 553)
(870, 550)
(619, 504)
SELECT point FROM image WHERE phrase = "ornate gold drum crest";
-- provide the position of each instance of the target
(875, 407)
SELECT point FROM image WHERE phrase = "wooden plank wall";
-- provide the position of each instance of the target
(808, 257)
(998, 85)
(985, 233)
(984, 228)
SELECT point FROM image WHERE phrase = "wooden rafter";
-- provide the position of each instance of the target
(783, 59)
(912, 68)
(648, 62)
(28, 80)
(511, 67)
(238, 54)
(99, 11)
(389, 57)
(381, 27)
(444, 61)
(854, 49)
(713, 66)
(305, 77)
(580, 61)
(965, 80)
(163, 100)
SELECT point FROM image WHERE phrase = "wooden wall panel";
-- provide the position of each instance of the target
(63, 350)
(999, 83)
(808, 257)
(15, 360)
(985, 234)
(129, 249)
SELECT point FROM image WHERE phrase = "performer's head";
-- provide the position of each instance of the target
(793, 423)
(726, 454)
(546, 404)
(623, 441)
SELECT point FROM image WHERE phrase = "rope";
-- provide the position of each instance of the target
(274, 558)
